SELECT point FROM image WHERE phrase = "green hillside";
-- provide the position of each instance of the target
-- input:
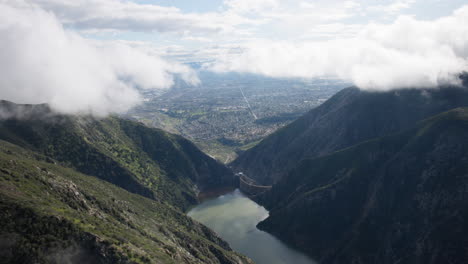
(76, 189)
(142, 160)
(53, 214)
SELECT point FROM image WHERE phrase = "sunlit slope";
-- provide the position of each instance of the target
(142, 160)
(53, 214)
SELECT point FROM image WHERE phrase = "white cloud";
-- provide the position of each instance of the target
(233, 21)
(392, 8)
(290, 19)
(406, 53)
(41, 62)
(118, 15)
(246, 6)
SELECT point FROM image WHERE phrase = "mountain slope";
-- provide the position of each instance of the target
(77, 189)
(53, 214)
(142, 160)
(349, 117)
(396, 199)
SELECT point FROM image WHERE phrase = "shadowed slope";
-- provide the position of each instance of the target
(349, 117)
(396, 199)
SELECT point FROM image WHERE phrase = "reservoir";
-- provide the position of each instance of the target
(234, 217)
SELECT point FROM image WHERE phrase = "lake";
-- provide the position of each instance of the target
(234, 217)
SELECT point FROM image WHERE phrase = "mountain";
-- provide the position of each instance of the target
(53, 214)
(142, 160)
(395, 199)
(349, 117)
(86, 190)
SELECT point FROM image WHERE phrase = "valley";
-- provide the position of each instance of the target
(233, 132)
(123, 192)
(170, 175)
(75, 188)
(369, 177)
(229, 113)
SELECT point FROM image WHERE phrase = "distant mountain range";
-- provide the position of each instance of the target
(85, 190)
(370, 177)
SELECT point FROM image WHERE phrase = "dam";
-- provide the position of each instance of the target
(249, 186)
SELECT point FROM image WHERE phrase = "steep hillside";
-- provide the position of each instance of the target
(53, 214)
(397, 199)
(349, 117)
(142, 160)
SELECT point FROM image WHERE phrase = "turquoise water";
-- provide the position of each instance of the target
(234, 217)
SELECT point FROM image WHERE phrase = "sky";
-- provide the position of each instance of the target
(94, 56)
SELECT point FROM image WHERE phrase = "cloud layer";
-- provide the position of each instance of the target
(127, 16)
(406, 53)
(41, 62)
(45, 58)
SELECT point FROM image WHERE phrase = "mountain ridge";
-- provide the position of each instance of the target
(347, 118)
(398, 198)
(120, 151)
(102, 190)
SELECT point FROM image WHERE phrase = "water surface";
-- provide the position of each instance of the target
(234, 217)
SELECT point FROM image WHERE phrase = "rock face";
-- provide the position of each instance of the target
(348, 118)
(82, 190)
(396, 199)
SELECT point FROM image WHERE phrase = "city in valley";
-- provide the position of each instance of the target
(229, 113)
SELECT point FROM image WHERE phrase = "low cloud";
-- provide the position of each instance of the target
(405, 53)
(41, 62)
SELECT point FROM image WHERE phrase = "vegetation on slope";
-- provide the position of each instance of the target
(396, 199)
(348, 118)
(142, 160)
(79, 189)
(53, 214)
